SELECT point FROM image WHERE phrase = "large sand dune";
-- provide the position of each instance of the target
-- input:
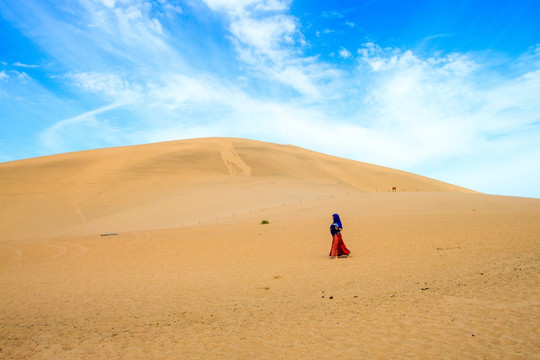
(171, 184)
(436, 271)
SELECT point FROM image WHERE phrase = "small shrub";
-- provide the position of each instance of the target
(264, 222)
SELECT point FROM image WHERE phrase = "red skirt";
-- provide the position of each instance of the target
(338, 246)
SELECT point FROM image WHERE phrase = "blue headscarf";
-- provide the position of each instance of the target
(337, 220)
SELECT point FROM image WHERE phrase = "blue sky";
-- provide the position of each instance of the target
(445, 89)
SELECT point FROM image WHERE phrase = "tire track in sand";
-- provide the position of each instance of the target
(46, 250)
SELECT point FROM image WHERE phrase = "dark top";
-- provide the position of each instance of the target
(334, 229)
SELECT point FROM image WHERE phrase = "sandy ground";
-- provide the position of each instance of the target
(431, 276)
(436, 271)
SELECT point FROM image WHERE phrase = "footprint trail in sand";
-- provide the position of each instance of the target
(233, 162)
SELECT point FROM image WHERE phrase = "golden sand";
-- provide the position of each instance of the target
(441, 272)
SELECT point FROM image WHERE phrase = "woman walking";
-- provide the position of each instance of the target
(338, 246)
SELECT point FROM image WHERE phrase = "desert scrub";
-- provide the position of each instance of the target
(264, 222)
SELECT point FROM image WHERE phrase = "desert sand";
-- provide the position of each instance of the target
(436, 270)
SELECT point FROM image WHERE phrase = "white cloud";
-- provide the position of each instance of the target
(127, 30)
(173, 9)
(18, 64)
(446, 109)
(267, 35)
(177, 90)
(3, 75)
(82, 131)
(237, 7)
(436, 36)
(332, 14)
(109, 3)
(344, 53)
(110, 85)
(270, 42)
(21, 75)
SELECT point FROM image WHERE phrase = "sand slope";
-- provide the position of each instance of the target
(174, 184)
(447, 274)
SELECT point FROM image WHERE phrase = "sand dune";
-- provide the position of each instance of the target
(441, 272)
(175, 184)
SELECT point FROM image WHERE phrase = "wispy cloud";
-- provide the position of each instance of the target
(85, 130)
(269, 41)
(437, 36)
(28, 66)
(20, 76)
(440, 109)
(333, 14)
(110, 85)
